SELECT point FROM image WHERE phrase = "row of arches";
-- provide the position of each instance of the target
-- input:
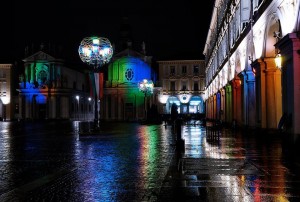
(247, 85)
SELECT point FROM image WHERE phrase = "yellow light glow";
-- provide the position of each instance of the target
(278, 61)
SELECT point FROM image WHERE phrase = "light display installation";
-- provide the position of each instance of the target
(95, 51)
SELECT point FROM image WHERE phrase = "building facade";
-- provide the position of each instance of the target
(48, 89)
(122, 99)
(6, 92)
(244, 82)
(181, 82)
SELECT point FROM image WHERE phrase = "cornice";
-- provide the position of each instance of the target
(6, 66)
(181, 62)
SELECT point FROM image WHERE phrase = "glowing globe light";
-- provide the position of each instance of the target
(146, 86)
(95, 51)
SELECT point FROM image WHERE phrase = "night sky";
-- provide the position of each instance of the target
(170, 30)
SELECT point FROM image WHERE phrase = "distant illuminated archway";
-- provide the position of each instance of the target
(171, 100)
(196, 105)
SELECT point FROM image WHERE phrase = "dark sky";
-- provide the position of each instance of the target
(170, 29)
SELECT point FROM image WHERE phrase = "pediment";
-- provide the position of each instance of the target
(41, 56)
(127, 53)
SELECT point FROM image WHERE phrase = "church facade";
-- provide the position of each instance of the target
(48, 89)
(122, 98)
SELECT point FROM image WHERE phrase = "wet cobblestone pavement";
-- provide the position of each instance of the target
(51, 161)
(233, 166)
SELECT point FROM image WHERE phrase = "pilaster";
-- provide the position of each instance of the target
(228, 103)
(236, 102)
(258, 67)
(249, 98)
(273, 93)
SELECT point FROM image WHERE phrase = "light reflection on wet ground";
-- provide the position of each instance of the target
(233, 166)
(50, 161)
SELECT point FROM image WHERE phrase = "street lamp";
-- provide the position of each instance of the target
(77, 98)
(5, 102)
(96, 52)
(278, 60)
(146, 86)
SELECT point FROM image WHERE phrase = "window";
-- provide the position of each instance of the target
(196, 87)
(196, 69)
(183, 68)
(183, 85)
(2, 73)
(172, 86)
(3, 87)
(129, 74)
(42, 77)
(172, 70)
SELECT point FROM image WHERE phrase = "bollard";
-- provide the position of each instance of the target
(179, 140)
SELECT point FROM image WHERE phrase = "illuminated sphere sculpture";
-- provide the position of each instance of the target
(95, 51)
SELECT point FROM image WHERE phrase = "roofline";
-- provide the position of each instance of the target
(180, 61)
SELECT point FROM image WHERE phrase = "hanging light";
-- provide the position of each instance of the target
(278, 60)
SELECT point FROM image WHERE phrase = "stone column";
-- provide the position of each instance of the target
(21, 107)
(289, 47)
(236, 102)
(228, 103)
(214, 107)
(32, 70)
(258, 67)
(273, 94)
(211, 106)
(223, 105)
(52, 107)
(249, 99)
